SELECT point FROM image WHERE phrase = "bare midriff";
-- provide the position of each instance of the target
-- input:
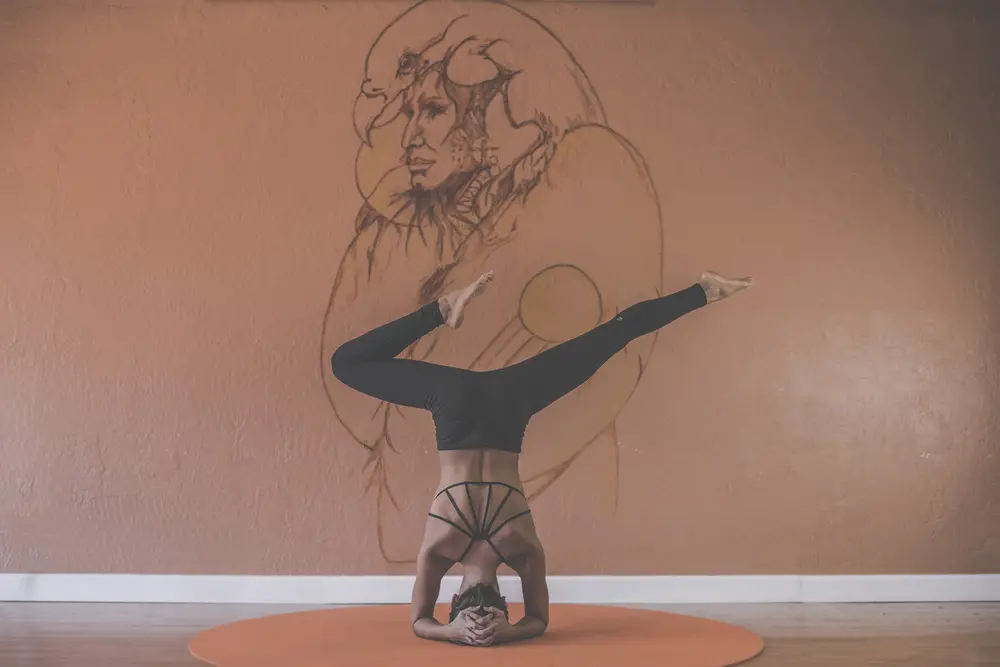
(479, 465)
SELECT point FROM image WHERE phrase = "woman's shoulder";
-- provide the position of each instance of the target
(524, 549)
(439, 542)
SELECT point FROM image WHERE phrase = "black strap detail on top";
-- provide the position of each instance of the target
(486, 510)
(471, 530)
(497, 529)
(480, 529)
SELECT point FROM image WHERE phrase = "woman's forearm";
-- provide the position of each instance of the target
(429, 628)
(527, 628)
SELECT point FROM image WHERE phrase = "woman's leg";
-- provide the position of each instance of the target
(547, 377)
(368, 364)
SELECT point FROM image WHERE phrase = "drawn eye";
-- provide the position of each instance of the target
(406, 63)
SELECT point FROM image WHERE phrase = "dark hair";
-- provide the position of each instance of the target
(470, 100)
(480, 595)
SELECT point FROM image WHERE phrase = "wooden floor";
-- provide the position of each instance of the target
(843, 635)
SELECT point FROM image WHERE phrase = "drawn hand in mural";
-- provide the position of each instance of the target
(483, 142)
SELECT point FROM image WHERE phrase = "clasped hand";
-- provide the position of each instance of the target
(480, 627)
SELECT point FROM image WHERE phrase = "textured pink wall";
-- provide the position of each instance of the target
(178, 189)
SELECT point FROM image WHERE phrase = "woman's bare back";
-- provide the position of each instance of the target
(479, 515)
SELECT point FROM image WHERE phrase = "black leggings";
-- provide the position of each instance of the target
(470, 406)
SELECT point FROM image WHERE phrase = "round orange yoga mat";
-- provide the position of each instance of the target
(380, 635)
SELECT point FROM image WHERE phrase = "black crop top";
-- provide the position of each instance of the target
(479, 526)
(479, 413)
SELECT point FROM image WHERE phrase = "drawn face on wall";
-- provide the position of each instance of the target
(437, 139)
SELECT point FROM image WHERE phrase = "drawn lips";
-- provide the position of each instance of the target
(418, 163)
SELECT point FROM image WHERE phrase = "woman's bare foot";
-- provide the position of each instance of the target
(453, 304)
(717, 287)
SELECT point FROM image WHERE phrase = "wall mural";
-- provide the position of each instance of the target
(483, 145)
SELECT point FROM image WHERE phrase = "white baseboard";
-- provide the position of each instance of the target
(322, 590)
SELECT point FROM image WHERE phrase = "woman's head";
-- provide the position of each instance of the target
(477, 597)
(446, 122)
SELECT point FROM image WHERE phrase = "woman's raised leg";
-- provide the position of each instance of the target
(368, 363)
(550, 375)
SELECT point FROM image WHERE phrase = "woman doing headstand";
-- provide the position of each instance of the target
(479, 516)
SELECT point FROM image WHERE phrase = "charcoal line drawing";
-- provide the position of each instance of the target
(482, 146)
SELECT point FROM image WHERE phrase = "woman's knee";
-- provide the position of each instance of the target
(342, 362)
